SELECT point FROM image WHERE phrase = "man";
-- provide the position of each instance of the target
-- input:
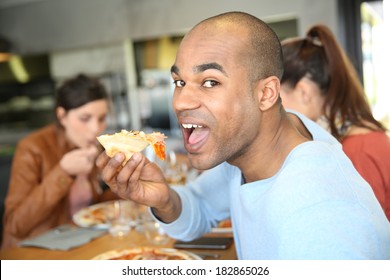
(289, 189)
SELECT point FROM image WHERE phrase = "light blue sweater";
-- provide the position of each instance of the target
(316, 207)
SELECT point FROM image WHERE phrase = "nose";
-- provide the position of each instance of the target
(185, 99)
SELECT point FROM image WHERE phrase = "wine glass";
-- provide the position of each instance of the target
(121, 217)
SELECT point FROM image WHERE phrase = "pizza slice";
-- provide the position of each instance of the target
(130, 142)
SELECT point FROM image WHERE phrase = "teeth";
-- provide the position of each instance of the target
(189, 125)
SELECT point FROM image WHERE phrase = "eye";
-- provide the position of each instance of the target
(84, 118)
(102, 119)
(210, 83)
(179, 83)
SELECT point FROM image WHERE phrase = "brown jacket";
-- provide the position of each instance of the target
(37, 198)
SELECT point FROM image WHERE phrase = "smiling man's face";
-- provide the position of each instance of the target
(213, 97)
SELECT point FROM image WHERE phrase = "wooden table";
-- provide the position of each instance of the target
(101, 245)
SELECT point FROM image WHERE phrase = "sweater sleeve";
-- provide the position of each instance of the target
(205, 202)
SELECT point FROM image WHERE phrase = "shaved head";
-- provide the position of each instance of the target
(264, 53)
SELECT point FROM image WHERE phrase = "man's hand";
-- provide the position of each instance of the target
(141, 181)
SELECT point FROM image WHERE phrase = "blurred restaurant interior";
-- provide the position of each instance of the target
(131, 44)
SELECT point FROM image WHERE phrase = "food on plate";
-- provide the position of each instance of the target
(93, 215)
(130, 142)
(146, 253)
(225, 224)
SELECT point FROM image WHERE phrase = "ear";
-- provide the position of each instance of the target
(60, 113)
(304, 91)
(268, 91)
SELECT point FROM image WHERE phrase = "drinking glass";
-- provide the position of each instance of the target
(155, 234)
(121, 217)
(174, 170)
(150, 228)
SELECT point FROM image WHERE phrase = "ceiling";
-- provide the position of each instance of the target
(11, 3)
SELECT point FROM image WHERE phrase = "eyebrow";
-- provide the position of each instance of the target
(201, 68)
(175, 69)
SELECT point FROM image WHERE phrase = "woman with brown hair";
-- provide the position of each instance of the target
(320, 81)
(53, 172)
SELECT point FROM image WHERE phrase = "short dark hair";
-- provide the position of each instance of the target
(78, 91)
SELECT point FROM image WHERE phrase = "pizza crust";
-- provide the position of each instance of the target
(146, 253)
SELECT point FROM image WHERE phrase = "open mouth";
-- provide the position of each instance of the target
(195, 135)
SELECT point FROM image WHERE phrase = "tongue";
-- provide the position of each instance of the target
(198, 135)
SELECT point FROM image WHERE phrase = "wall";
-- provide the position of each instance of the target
(173, 16)
(37, 26)
(57, 25)
(94, 36)
(93, 60)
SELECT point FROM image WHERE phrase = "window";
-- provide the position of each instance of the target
(375, 20)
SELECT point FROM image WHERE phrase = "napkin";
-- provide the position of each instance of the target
(63, 238)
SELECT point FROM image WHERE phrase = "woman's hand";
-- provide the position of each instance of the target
(141, 181)
(79, 161)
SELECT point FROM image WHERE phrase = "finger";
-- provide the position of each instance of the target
(129, 178)
(146, 160)
(80, 153)
(136, 175)
(90, 152)
(127, 172)
(102, 160)
(110, 170)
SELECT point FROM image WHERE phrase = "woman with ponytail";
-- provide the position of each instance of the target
(320, 81)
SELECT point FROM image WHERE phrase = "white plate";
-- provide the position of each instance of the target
(222, 230)
(83, 217)
(223, 227)
(116, 253)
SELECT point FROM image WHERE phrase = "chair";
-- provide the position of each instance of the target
(5, 170)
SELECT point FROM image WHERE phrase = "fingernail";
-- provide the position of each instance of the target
(136, 157)
(118, 157)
